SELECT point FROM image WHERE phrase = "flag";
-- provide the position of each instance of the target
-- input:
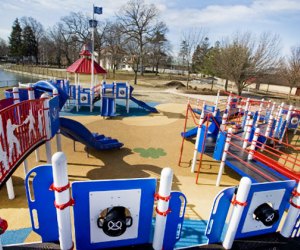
(93, 23)
(97, 10)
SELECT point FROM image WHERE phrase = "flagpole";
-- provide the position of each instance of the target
(92, 61)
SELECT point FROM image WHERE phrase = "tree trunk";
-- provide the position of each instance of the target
(212, 85)
(226, 84)
(289, 96)
(156, 70)
(135, 77)
(188, 77)
(141, 60)
(114, 71)
(239, 87)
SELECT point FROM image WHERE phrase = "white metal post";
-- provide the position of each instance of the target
(228, 106)
(268, 131)
(216, 103)
(128, 96)
(287, 119)
(241, 197)
(77, 96)
(62, 86)
(247, 122)
(9, 182)
(248, 132)
(162, 208)
(224, 120)
(292, 215)
(273, 108)
(92, 57)
(259, 110)
(60, 179)
(224, 156)
(278, 116)
(91, 99)
(253, 144)
(48, 126)
(197, 139)
(246, 110)
(10, 189)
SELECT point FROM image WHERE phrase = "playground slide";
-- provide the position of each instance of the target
(78, 132)
(143, 105)
(45, 86)
(213, 130)
(190, 133)
(108, 105)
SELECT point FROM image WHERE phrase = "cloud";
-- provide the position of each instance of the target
(213, 15)
(220, 18)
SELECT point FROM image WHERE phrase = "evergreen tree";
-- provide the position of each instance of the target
(15, 41)
(199, 55)
(30, 48)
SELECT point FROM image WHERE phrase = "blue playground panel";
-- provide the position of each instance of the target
(81, 193)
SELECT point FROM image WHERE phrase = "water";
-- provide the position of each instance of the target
(8, 79)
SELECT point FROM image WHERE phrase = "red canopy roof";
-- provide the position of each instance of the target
(83, 66)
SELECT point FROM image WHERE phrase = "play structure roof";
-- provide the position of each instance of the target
(83, 65)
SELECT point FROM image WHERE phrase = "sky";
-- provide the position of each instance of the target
(219, 18)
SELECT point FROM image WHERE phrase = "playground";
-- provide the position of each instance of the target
(163, 172)
(143, 155)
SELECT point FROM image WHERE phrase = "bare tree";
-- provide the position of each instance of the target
(291, 69)
(64, 42)
(100, 37)
(190, 40)
(76, 24)
(244, 59)
(115, 45)
(159, 48)
(132, 50)
(139, 21)
(3, 48)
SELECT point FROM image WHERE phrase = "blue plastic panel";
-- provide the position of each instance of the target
(174, 220)
(288, 186)
(81, 190)
(209, 109)
(54, 115)
(43, 202)
(218, 215)
(294, 121)
(220, 143)
(122, 87)
(201, 141)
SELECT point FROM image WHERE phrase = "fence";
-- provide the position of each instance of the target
(22, 126)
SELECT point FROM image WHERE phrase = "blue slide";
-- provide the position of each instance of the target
(141, 103)
(213, 130)
(78, 132)
(107, 108)
(144, 105)
(190, 133)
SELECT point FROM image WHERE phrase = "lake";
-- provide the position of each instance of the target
(8, 79)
